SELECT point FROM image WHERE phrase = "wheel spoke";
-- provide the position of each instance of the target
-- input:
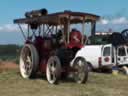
(54, 64)
(80, 63)
(26, 56)
(29, 60)
(53, 76)
(79, 74)
(53, 67)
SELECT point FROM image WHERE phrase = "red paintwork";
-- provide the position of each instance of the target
(71, 45)
(43, 65)
(44, 49)
(75, 39)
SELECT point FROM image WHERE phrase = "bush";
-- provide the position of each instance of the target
(10, 52)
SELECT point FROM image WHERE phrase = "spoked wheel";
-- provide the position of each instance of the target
(28, 61)
(81, 70)
(53, 70)
(125, 34)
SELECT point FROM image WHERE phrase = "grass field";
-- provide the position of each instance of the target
(11, 84)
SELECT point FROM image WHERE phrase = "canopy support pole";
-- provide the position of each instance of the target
(93, 28)
(22, 32)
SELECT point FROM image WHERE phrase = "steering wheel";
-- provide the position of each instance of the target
(125, 34)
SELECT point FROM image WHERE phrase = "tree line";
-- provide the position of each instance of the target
(10, 49)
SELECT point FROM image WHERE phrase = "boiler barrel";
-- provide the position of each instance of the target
(36, 13)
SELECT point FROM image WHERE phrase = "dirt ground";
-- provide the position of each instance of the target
(7, 65)
(98, 84)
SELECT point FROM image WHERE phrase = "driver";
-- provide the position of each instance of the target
(75, 36)
(75, 39)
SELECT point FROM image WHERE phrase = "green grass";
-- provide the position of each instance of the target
(12, 84)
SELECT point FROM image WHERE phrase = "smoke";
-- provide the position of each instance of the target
(119, 20)
(11, 28)
(103, 21)
(119, 17)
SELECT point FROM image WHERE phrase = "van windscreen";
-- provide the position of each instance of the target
(106, 51)
(121, 51)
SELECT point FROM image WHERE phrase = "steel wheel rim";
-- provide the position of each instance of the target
(26, 58)
(53, 69)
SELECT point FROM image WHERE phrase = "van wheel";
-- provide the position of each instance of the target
(29, 60)
(81, 70)
(53, 70)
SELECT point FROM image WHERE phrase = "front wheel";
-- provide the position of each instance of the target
(53, 69)
(81, 70)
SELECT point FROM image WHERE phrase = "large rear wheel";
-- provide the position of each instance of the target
(53, 70)
(29, 61)
(81, 70)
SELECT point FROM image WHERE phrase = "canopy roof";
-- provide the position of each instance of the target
(59, 18)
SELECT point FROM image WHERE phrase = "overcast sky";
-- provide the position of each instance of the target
(114, 14)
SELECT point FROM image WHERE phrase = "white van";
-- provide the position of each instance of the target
(97, 56)
(102, 54)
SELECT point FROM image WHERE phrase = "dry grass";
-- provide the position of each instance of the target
(12, 84)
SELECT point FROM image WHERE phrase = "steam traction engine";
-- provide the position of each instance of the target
(50, 44)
